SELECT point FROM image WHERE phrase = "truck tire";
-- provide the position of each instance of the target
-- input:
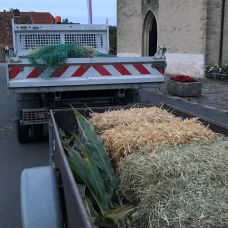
(37, 132)
(22, 132)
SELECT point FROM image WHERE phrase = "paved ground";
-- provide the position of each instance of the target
(214, 95)
(13, 159)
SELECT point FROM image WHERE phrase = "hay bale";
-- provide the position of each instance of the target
(127, 139)
(179, 186)
(111, 119)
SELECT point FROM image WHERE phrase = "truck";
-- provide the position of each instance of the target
(49, 195)
(80, 81)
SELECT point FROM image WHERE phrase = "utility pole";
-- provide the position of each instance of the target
(90, 12)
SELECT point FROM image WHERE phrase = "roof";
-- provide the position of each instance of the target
(40, 17)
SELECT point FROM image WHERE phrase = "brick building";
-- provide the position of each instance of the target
(195, 32)
(6, 38)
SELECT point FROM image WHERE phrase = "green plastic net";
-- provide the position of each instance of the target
(53, 57)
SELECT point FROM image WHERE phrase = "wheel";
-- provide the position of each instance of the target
(22, 133)
(37, 132)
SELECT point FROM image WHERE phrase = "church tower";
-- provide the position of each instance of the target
(194, 32)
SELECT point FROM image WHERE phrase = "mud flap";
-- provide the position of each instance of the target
(40, 204)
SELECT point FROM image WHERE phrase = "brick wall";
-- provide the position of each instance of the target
(6, 38)
(24, 18)
(5, 31)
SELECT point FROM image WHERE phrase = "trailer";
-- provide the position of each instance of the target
(80, 82)
(59, 198)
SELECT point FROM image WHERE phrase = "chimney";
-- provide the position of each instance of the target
(58, 20)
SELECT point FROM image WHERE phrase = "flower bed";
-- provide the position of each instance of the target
(217, 72)
(183, 78)
(184, 86)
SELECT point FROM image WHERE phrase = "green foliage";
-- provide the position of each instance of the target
(81, 166)
(100, 155)
(66, 21)
(93, 171)
(217, 72)
(113, 39)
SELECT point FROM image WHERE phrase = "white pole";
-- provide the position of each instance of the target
(90, 12)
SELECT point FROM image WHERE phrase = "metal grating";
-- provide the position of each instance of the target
(35, 116)
(90, 39)
(32, 41)
(27, 37)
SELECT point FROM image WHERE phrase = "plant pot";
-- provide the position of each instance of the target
(184, 89)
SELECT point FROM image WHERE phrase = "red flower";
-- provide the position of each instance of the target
(183, 78)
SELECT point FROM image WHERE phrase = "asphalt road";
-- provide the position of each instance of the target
(14, 157)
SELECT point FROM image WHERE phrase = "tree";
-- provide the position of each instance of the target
(113, 39)
(16, 12)
(66, 21)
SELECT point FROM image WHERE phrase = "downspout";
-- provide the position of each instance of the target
(222, 33)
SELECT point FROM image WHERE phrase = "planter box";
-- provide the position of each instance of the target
(189, 89)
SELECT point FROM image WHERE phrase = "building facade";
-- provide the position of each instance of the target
(194, 32)
(6, 37)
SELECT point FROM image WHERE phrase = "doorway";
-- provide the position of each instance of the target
(149, 35)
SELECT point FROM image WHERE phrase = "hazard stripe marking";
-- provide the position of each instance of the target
(141, 69)
(80, 71)
(87, 71)
(58, 73)
(101, 70)
(122, 69)
(160, 69)
(14, 72)
(35, 73)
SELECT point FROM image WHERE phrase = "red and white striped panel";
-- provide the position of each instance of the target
(84, 71)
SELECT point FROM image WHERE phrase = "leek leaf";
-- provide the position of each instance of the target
(90, 135)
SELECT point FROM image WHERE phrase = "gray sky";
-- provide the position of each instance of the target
(74, 10)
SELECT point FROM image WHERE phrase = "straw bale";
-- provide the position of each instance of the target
(123, 140)
(178, 186)
(110, 119)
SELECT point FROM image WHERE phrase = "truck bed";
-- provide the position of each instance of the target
(86, 74)
(76, 213)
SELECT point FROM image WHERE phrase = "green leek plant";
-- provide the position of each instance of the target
(94, 174)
